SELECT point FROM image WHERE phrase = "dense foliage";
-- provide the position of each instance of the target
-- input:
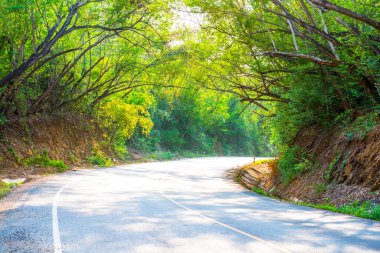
(203, 123)
(302, 62)
(156, 81)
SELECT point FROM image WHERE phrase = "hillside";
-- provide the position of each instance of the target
(48, 144)
(344, 169)
(329, 168)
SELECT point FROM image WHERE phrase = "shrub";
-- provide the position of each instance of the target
(43, 159)
(362, 209)
(330, 168)
(292, 163)
(320, 188)
(164, 155)
(73, 158)
(338, 163)
(3, 119)
(261, 161)
(59, 165)
(4, 189)
(14, 154)
(261, 192)
(7, 187)
(361, 126)
(100, 160)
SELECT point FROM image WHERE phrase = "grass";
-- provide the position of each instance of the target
(270, 161)
(262, 192)
(14, 154)
(5, 188)
(367, 210)
(261, 161)
(292, 163)
(43, 159)
(320, 188)
(167, 155)
(361, 126)
(100, 160)
(330, 168)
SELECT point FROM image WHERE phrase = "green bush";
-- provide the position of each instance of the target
(292, 163)
(59, 165)
(261, 192)
(14, 154)
(3, 119)
(361, 126)
(7, 187)
(100, 160)
(163, 155)
(199, 122)
(338, 160)
(310, 104)
(43, 159)
(365, 209)
(4, 189)
(120, 150)
(330, 168)
(320, 188)
(166, 156)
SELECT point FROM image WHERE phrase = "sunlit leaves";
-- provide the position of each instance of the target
(123, 118)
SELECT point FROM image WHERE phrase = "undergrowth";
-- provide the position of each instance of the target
(100, 160)
(4, 189)
(330, 168)
(43, 159)
(293, 162)
(261, 161)
(361, 126)
(262, 192)
(320, 188)
(168, 155)
(365, 209)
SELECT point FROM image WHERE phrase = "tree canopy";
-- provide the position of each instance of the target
(209, 76)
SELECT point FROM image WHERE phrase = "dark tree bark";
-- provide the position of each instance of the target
(330, 6)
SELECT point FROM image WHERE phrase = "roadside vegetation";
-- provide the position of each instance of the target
(253, 78)
(100, 160)
(42, 159)
(4, 189)
(366, 209)
(194, 88)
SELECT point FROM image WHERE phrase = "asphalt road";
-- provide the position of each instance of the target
(178, 206)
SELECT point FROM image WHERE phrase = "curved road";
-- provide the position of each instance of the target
(178, 207)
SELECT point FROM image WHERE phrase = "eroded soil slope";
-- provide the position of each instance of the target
(345, 169)
(68, 138)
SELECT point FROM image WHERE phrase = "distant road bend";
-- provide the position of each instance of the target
(185, 206)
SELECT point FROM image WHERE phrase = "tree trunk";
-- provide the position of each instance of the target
(330, 6)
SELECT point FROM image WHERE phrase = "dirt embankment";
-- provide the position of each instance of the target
(345, 169)
(69, 138)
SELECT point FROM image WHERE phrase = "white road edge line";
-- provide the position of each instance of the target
(56, 235)
(225, 225)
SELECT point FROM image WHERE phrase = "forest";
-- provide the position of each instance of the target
(231, 77)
